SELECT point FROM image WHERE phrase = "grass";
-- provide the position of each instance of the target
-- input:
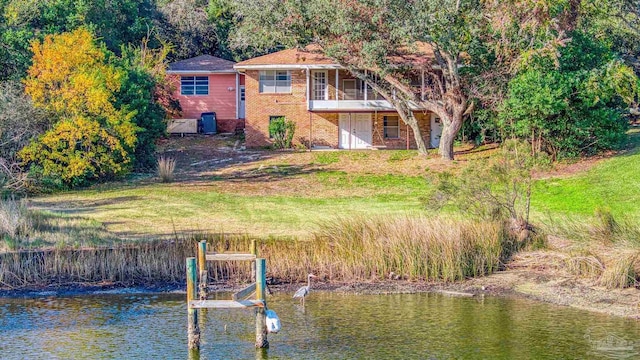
(610, 184)
(289, 194)
(604, 250)
(15, 222)
(413, 248)
(347, 249)
(159, 210)
(351, 215)
(166, 168)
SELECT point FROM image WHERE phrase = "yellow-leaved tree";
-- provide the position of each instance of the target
(90, 138)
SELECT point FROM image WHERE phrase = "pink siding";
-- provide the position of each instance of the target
(220, 100)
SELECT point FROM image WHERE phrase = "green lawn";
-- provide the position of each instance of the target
(612, 184)
(278, 199)
(162, 209)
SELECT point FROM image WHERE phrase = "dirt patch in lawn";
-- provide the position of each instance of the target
(204, 156)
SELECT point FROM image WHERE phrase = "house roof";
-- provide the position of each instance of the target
(202, 64)
(296, 57)
(310, 57)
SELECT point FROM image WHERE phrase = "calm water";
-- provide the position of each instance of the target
(331, 326)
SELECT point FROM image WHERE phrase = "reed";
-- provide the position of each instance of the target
(166, 168)
(622, 270)
(355, 249)
(126, 265)
(605, 250)
(15, 223)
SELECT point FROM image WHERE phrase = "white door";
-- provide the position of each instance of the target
(320, 89)
(241, 103)
(355, 131)
(436, 130)
(363, 131)
(345, 138)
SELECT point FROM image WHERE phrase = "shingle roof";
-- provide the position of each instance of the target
(419, 55)
(202, 63)
(289, 57)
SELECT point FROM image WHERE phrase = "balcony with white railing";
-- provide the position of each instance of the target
(343, 94)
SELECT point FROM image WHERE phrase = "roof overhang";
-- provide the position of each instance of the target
(287, 67)
(201, 72)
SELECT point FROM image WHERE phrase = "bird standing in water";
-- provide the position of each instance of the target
(304, 291)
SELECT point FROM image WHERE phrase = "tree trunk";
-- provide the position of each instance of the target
(409, 118)
(451, 125)
(446, 143)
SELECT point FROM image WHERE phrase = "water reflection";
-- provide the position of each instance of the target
(330, 326)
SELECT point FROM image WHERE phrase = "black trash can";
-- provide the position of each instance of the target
(209, 123)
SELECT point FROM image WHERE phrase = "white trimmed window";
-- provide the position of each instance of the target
(275, 81)
(194, 85)
(391, 127)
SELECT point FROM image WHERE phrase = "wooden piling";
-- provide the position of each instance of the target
(261, 322)
(193, 330)
(253, 249)
(202, 267)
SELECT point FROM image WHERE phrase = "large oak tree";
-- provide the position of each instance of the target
(464, 49)
(390, 44)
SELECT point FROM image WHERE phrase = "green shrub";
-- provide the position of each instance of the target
(281, 131)
(499, 188)
(575, 108)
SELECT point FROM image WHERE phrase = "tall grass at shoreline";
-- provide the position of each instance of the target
(15, 222)
(415, 248)
(605, 251)
(355, 249)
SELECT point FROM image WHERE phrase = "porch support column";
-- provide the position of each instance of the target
(337, 81)
(350, 131)
(365, 87)
(308, 85)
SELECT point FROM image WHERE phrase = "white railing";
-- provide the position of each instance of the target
(355, 105)
(319, 105)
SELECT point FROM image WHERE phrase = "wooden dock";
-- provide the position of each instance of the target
(197, 292)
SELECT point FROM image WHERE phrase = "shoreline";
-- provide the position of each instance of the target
(532, 285)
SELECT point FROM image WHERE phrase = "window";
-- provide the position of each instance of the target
(391, 127)
(349, 89)
(271, 119)
(194, 85)
(275, 81)
(242, 93)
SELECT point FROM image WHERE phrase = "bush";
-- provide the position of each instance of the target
(575, 108)
(20, 122)
(147, 89)
(498, 188)
(78, 151)
(281, 131)
(92, 137)
(166, 168)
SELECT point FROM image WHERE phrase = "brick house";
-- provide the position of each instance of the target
(208, 84)
(331, 108)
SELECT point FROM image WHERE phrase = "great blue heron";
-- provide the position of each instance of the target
(304, 291)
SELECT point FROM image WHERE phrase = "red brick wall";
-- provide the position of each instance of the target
(293, 106)
(220, 100)
(424, 121)
(323, 126)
